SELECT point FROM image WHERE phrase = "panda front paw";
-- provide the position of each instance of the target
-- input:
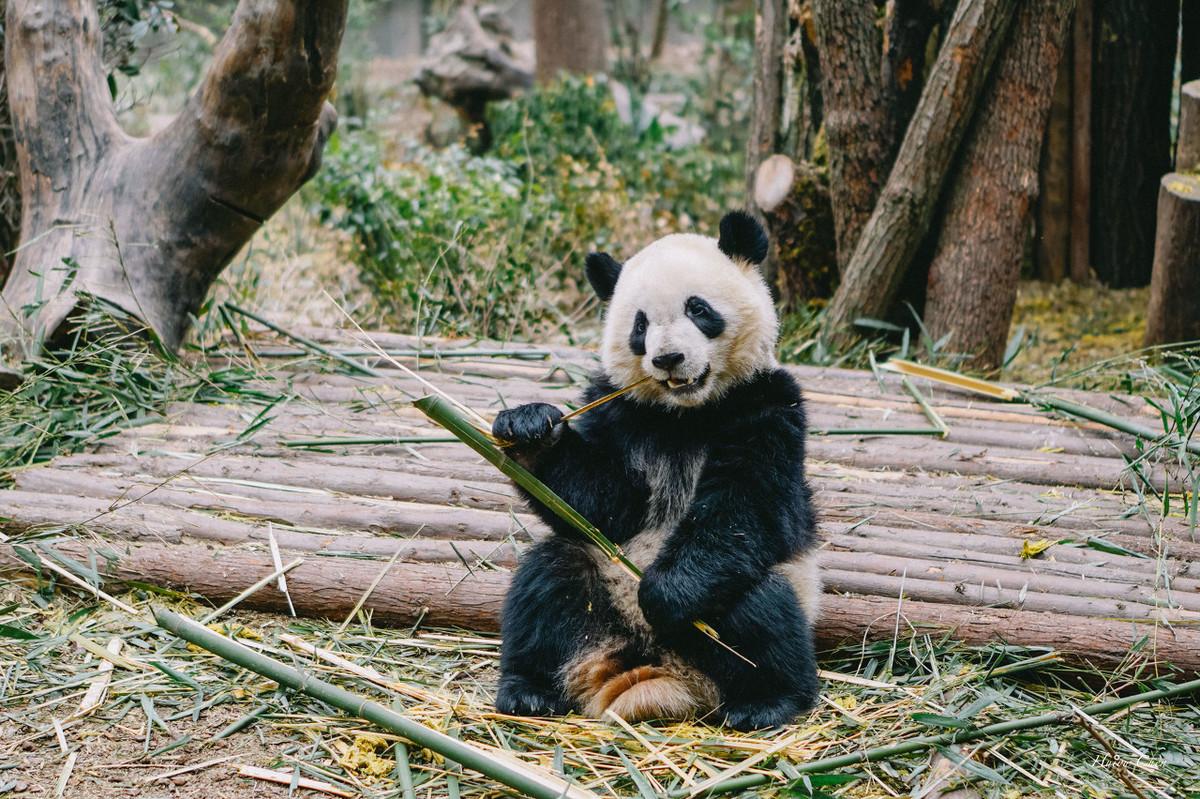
(516, 696)
(535, 423)
(748, 716)
(662, 604)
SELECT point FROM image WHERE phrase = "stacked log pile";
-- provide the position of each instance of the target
(1018, 526)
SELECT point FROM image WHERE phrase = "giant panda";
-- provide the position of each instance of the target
(698, 474)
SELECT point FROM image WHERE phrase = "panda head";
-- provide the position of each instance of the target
(691, 312)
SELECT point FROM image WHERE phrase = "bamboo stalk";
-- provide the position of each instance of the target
(951, 378)
(528, 779)
(878, 431)
(1039, 399)
(925, 742)
(444, 414)
(429, 354)
(306, 342)
(926, 408)
(596, 403)
(364, 441)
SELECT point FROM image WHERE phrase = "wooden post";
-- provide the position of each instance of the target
(1174, 313)
(1081, 152)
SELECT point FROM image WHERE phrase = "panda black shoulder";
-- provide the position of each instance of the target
(771, 388)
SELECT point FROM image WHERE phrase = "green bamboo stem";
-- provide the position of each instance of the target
(933, 416)
(1108, 420)
(877, 431)
(353, 441)
(425, 354)
(307, 343)
(925, 742)
(528, 779)
(442, 412)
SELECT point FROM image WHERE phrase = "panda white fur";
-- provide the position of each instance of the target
(698, 474)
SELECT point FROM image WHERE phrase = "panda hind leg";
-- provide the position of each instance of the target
(554, 607)
(770, 627)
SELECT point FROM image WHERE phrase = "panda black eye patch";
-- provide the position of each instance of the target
(637, 336)
(704, 316)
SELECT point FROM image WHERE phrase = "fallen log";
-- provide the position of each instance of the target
(452, 596)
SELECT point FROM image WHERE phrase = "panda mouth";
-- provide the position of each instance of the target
(686, 385)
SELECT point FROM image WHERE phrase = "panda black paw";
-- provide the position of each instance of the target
(517, 696)
(535, 423)
(663, 604)
(747, 716)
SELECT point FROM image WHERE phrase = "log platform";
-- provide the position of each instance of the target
(1018, 527)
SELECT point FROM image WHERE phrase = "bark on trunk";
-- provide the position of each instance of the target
(906, 34)
(794, 199)
(1187, 150)
(1053, 256)
(10, 190)
(766, 119)
(1082, 39)
(973, 276)
(1189, 52)
(452, 596)
(570, 36)
(1174, 313)
(1135, 58)
(148, 224)
(857, 123)
(902, 216)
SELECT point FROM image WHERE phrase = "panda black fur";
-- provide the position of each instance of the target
(699, 475)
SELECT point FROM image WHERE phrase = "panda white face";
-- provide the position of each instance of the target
(691, 312)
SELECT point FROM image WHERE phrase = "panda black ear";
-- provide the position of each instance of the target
(742, 237)
(602, 272)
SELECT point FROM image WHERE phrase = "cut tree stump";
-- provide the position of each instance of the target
(1174, 312)
(1016, 528)
(1187, 150)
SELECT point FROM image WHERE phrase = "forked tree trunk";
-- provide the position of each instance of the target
(570, 36)
(973, 276)
(148, 224)
(1135, 58)
(908, 26)
(903, 213)
(858, 126)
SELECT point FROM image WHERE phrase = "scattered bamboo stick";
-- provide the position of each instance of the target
(306, 342)
(277, 560)
(285, 778)
(99, 684)
(59, 570)
(925, 742)
(506, 769)
(365, 441)
(1039, 399)
(258, 585)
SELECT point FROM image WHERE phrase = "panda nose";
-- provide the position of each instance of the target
(668, 360)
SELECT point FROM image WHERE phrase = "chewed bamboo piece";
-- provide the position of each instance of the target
(596, 403)
(444, 414)
(951, 379)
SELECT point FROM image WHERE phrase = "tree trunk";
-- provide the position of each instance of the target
(907, 29)
(1135, 58)
(10, 190)
(1187, 150)
(902, 216)
(1082, 45)
(1174, 312)
(1053, 254)
(794, 199)
(973, 276)
(662, 19)
(857, 123)
(1189, 31)
(570, 36)
(766, 118)
(148, 224)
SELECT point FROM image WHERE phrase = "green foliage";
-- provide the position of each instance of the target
(493, 245)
